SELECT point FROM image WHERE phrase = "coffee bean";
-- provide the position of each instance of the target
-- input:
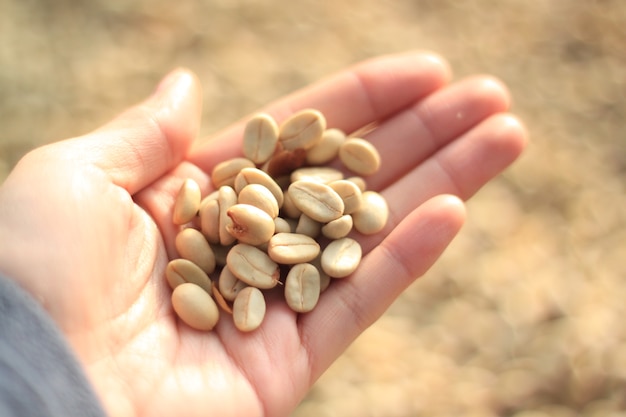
(253, 266)
(195, 307)
(187, 202)
(292, 248)
(359, 156)
(302, 130)
(316, 200)
(373, 214)
(192, 245)
(341, 257)
(260, 138)
(249, 309)
(302, 287)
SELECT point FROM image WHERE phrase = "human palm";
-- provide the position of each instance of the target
(88, 232)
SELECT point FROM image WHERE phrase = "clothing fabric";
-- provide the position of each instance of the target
(39, 373)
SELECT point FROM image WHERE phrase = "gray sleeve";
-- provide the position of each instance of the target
(39, 374)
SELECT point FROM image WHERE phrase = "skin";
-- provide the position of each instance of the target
(86, 229)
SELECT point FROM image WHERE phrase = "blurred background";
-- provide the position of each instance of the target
(524, 314)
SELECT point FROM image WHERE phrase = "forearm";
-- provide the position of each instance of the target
(39, 375)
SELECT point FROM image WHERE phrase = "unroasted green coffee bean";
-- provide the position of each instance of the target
(308, 226)
(179, 271)
(359, 181)
(225, 172)
(372, 216)
(256, 176)
(327, 148)
(338, 228)
(341, 257)
(229, 285)
(359, 156)
(226, 199)
(253, 266)
(195, 307)
(192, 245)
(281, 225)
(302, 287)
(259, 196)
(260, 138)
(316, 200)
(289, 209)
(210, 221)
(249, 309)
(302, 130)
(349, 192)
(250, 224)
(292, 248)
(324, 175)
(187, 202)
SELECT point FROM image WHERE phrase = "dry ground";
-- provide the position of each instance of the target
(524, 315)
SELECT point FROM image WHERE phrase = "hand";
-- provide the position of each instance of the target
(86, 228)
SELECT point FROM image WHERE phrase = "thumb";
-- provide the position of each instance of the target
(149, 139)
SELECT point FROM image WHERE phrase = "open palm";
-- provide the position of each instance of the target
(89, 233)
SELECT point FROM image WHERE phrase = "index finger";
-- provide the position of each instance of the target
(370, 91)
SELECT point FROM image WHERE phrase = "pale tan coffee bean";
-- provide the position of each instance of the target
(350, 193)
(324, 175)
(359, 156)
(229, 285)
(373, 214)
(260, 138)
(210, 220)
(289, 209)
(292, 248)
(195, 307)
(250, 224)
(282, 226)
(359, 181)
(226, 199)
(259, 196)
(302, 287)
(341, 257)
(192, 245)
(178, 271)
(249, 309)
(225, 172)
(302, 130)
(338, 228)
(316, 200)
(327, 148)
(284, 162)
(308, 226)
(256, 176)
(187, 202)
(253, 266)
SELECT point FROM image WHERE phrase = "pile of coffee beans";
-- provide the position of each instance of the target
(280, 215)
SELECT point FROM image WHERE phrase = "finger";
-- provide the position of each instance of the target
(147, 140)
(418, 132)
(462, 167)
(370, 91)
(352, 304)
